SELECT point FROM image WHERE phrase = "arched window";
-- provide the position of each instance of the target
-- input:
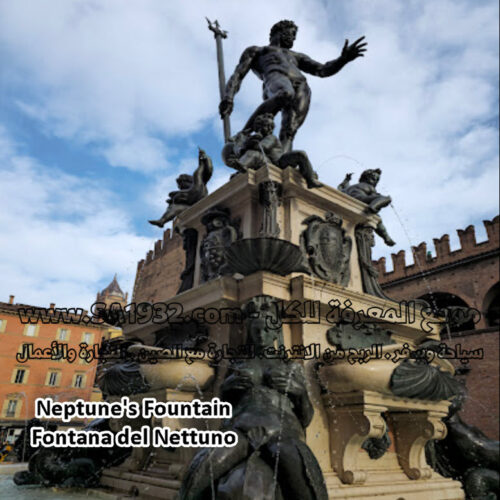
(440, 300)
(491, 306)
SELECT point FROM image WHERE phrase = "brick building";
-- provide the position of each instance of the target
(21, 383)
(470, 277)
(158, 276)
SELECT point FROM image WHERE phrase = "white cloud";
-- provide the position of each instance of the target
(141, 153)
(129, 78)
(60, 236)
(117, 74)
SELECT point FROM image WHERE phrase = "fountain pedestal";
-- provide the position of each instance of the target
(352, 403)
(354, 417)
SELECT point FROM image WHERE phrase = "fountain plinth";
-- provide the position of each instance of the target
(365, 432)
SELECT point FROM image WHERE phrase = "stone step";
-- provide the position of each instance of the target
(436, 488)
(154, 472)
(126, 488)
(143, 477)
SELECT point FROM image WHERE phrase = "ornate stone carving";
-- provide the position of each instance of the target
(189, 243)
(346, 336)
(221, 232)
(411, 433)
(270, 197)
(386, 370)
(122, 379)
(250, 255)
(327, 247)
(192, 188)
(358, 417)
(187, 334)
(350, 427)
(418, 379)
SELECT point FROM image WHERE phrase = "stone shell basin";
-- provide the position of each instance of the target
(278, 256)
(374, 375)
(175, 373)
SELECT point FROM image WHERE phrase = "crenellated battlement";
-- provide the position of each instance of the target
(423, 261)
(171, 240)
(166, 259)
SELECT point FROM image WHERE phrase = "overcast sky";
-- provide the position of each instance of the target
(104, 102)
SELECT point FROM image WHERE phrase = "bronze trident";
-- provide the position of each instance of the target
(219, 34)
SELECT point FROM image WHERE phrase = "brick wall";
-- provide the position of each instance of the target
(158, 275)
(468, 273)
(444, 256)
(481, 407)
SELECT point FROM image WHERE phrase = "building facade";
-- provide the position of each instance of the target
(467, 277)
(23, 381)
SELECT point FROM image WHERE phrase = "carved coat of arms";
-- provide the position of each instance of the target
(327, 247)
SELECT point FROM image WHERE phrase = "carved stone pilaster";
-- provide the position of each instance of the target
(270, 193)
(411, 433)
(350, 426)
(357, 416)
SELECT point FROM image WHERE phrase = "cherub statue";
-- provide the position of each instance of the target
(256, 146)
(271, 409)
(192, 188)
(365, 191)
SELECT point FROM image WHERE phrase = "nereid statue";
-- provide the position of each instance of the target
(192, 188)
(271, 409)
(285, 87)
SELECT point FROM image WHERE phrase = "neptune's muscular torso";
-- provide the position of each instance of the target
(270, 60)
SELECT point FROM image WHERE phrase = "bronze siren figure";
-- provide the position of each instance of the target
(271, 411)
